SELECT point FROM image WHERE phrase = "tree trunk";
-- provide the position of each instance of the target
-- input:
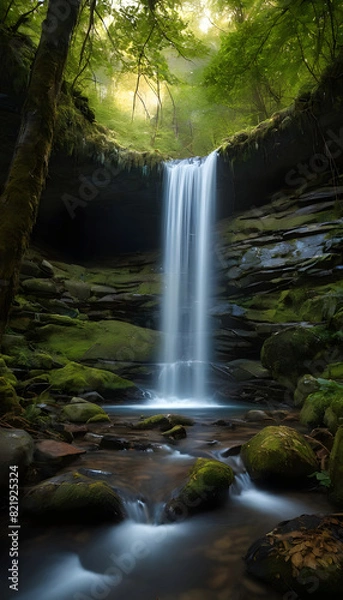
(20, 199)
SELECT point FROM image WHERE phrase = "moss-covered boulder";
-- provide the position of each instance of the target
(278, 454)
(84, 412)
(9, 402)
(287, 353)
(76, 379)
(7, 373)
(205, 489)
(304, 555)
(16, 449)
(178, 432)
(325, 406)
(336, 468)
(160, 422)
(73, 497)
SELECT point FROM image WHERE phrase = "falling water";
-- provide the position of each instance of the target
(189, 197)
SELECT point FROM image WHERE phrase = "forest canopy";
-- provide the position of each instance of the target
(179, 76)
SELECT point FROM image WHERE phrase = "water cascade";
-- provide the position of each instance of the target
(189, 200)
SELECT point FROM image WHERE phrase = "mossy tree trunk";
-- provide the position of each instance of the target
(20, 199)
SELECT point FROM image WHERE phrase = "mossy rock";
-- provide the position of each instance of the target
(75, 379)
(178, 432)
(287, 353)
(279, 454)
(7, 373)
(73, 497)
(334, 371)
(316, 405)
(39, 286)
(101, 340)
(336, 468)
(304, 555)
(9, 402)
(175, 419)
(84, 412)
(206, 489)
(16, 449)
(307, 384)
(155, 422)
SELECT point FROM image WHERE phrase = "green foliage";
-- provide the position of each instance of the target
(323, 478)
(272, 52)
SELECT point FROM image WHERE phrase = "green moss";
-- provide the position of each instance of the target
(99, 418)
(73, 497)
(333, 371)
(278, 454)
(9, 402)
(205, 489)
(287, 353)
(330, 395)
(177, 432)
(109, 340)
(74, 379)
(306, 385)
(154, 422)
(83, 412)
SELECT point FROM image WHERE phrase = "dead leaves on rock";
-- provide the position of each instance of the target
(319, 549)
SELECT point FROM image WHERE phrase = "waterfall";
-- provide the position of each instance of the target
(189, 202)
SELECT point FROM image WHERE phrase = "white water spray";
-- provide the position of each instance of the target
(189, 196)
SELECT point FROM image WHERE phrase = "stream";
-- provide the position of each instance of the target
(140, 559)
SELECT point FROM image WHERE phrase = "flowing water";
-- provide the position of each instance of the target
(141, 558)
(189, 197)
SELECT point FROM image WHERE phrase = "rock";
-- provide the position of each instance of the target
(178, 432)
(39, 287)
(279, 454)
(78, 289)
(336, 468)
(111, 442)
(93, 397)
(77, 379)
(244, 369)
(286, 354)
(205, 489)
(325, 406)
(257, 415)
(75, 430)
(73, 497)
(57, 453)
(10, 342)
(175, 419)
(101, 340)
(7, 373)
(307, 384)
(304, 555)
(16, 448)
(47, 268)
(155, 422)
(83, 412)
(9, 402)
(29, 268)
(101, 290)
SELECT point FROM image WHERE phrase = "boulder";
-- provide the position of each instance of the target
(160, 422)
(336, 468)
(278, 454)
(84, 412)
(73, 497)
(178, 432)
(16, 449)
(76, 379)
(304, 555)
(325, 406)
(206, 488)
(56, 453)
(286, 354)
(307, 384)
